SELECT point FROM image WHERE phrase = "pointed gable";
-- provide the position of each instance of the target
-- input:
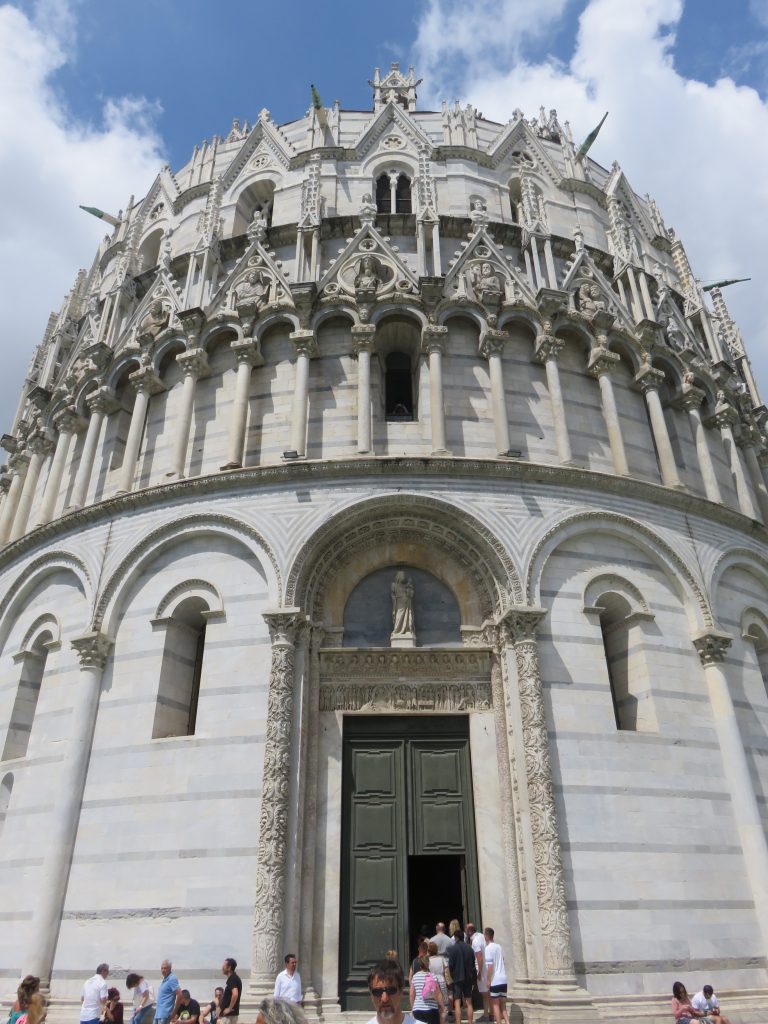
(518, 137)
(464, 274)
(265, 137)
(256, 258)
(585, 282)
(618, 187)
(395, 275)
(393, 121)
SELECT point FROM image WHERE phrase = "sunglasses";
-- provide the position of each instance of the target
(391, 990)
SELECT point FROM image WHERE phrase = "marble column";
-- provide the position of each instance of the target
(363, 343)
(691, 401)
(518, 969)
(723, 418)
(19, 463)
(712, 648)
(269, 911)
(61, 829)
(309, 853)
(601, 364)
(101, 403)
(747, 441)
(433, 341)
(40, 446)
(194, 366)
(68, 423)
(248, 354)
(548, 348)
(306, 349)
(650, 381)
(492, 344)
(519, 627)
(146, 383)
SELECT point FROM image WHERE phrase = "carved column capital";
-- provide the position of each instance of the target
(433, 338)
(68, 421)
(19, 460)
(40, 443)
(649, 379)
(194, 363)
(193, 321)
(712, 647)
(724, 416)
(601, 361)
(103, 401)
(248, 351)
(363, 338)
(92, 649)
(145, 379)
(691, 397)
(519, 624)
(285, 625)
(492, 342)
(5, 479)
(306, 343)
(547, 347)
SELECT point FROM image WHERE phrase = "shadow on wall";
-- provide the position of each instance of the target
(368, 612)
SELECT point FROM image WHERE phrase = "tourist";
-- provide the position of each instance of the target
(143, 999)
(189, 1008)
(279, 1011)
(168, 994)
(706, 1002)
(94, 996)
(477, 942)
(682, 1008)
(113, 1011)
(28, 987)
(385, 983)
(229, 1007)
(210, 1011)
(288, 981)
(437, 967)
(421, 951)
(462, 965)
(453, 927)
(441, 940)
(496, 976)
(426, 999)
(35, 1011)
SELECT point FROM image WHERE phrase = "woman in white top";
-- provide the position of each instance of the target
(437, 967)
(143, 999)
(426, 999)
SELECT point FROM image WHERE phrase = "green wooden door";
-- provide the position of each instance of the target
(407, 797)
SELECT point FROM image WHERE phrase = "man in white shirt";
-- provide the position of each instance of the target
(385, 983)
(94, 996)
(706, 1002)
(440, 939)
(496, 977)
(288, 982)
(477, 942)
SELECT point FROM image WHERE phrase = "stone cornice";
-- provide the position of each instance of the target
(416, 468)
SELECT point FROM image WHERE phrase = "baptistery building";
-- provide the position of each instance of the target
(384, 542)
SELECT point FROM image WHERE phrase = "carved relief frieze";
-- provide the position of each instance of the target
(364, 664)
(398, 696)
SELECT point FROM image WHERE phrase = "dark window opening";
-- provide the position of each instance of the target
(399, 387)
(383, 194)
(403, 194)
(181, 671)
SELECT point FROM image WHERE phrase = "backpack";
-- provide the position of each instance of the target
(430, 987)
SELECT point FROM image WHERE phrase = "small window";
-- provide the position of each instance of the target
(383, 194)
(403, 194)
(613, 626)
(515, 199)
(25, 704)
(760, 640)
(181, 671)
(399, 387)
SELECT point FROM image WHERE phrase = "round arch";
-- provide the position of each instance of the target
(31, 576)
(747, 559)
(674, 567)
(430, 533)
(132, 564)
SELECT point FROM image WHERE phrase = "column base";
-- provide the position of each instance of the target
(552, 1001)
(231, 465)
(402, 640)
(441, 451)
(510, 453)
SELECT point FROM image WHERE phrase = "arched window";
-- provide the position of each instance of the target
(393, 193)
(614, 610)
(398, 388)
(181, 670)
(759, 638)
(403, 194)
(6, 788)
(515, 199)
(24, 706)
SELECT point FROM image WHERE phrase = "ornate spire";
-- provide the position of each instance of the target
(394, 87)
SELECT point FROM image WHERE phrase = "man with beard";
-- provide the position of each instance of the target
(385, 983)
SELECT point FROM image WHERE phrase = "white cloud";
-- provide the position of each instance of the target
(700, 150)
(49, 163)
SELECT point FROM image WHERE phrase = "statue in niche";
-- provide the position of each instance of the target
(368, 278)
(486, 285)
(155, 321)
(675, 336)
(403, 634)
(590, 299)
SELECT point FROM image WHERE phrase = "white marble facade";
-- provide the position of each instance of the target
(271, 385)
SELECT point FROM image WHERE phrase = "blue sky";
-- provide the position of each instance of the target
(95, 95)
